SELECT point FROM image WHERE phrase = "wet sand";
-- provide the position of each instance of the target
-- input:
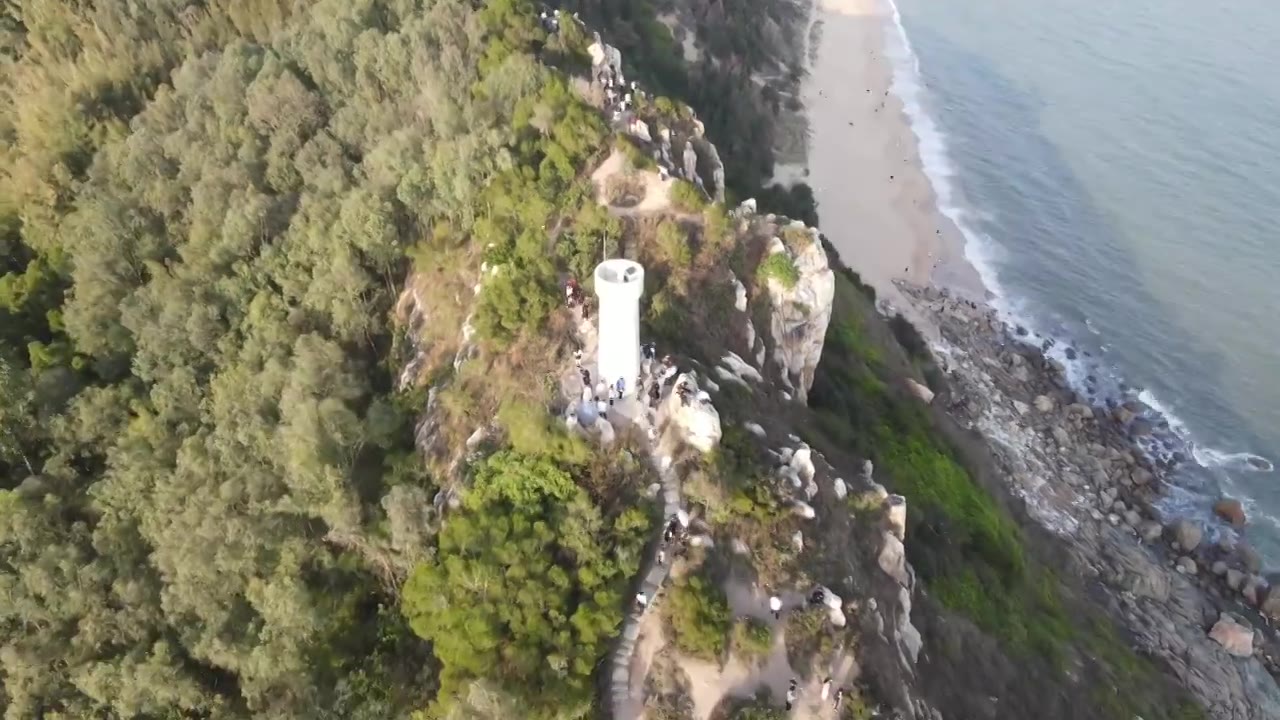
(875, 203)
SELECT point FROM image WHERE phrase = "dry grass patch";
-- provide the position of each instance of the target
(626, 189)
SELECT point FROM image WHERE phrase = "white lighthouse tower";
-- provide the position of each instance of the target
(619, 285)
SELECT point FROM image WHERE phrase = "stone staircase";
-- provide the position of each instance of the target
(623, 705)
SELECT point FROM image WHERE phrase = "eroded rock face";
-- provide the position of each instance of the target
(800, 314)
(893, 559)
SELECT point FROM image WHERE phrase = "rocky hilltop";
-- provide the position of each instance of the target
(791, 428)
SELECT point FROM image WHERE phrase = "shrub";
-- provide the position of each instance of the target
(636, 155)
(717, 225)
(808, 636)
(796, 202)
(780, 267)
(909, 337)
(624, 190)
(752, 638)
(759, 712)
(532, 431)
(698, 613)
(674, 244)
(687, 197)
(798, 239)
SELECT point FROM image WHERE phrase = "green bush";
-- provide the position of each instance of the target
(531, 431)
(673, 242)
(808, 638)
(698, 614)
(779, 266)
(717, 226)
(759, 712)
(525, 587)
(636, 156)
(798, 239)
(752, 638)
(687, 197)
(909, 337)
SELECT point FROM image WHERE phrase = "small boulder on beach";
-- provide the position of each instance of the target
(1185, 534)
(1269, 604)
(1186, 565)
(1231, 511)
(1235, 636)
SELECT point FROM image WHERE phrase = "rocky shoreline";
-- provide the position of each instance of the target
(1200, 606)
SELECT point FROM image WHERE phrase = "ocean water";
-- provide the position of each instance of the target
(1116, 170)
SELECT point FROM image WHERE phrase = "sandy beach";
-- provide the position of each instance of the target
(875, 202)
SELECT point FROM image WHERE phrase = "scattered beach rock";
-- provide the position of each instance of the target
(1249, 558)
(1269, 604)
(1236, 637)
(1097, 484)
(1150, 531)
(1235, 579)
(1252, 590)
(1186, 565)
(1231, 511)
(1186, 535)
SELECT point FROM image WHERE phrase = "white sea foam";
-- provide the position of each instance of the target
(908, 86)
(1237, 461)
(1148, 398)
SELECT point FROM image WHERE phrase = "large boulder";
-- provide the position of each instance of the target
(1150, 531)
(1249, 558)
(1185, 534)
(1269, 604)
(924, 394)
(800, 314)
(698, 422)
(1231, 511)
(1186, 565)
(1234, 636)
(1235, 579)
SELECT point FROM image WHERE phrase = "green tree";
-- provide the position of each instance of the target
(525, 588)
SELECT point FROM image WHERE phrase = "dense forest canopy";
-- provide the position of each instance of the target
(209, 493)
